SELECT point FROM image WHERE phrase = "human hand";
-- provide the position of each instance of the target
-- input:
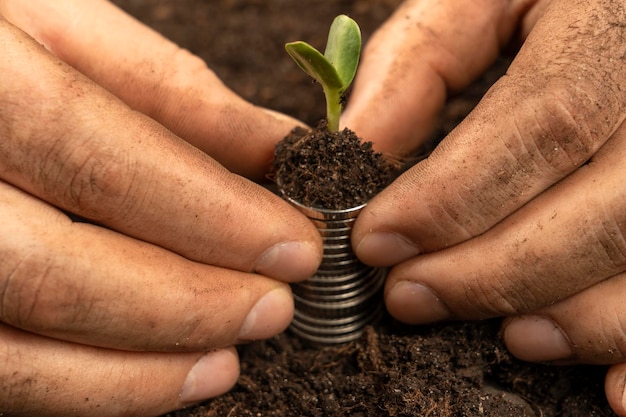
(519, 211)
(135, 313)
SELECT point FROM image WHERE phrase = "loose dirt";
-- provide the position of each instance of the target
(454, 369)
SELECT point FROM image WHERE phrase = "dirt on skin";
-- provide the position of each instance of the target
(454, 369)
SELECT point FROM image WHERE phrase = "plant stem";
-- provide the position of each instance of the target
(333, 109)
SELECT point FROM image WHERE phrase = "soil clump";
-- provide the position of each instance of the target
(329, 170)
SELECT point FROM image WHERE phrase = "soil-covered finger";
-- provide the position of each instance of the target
(553, 110)
(426, 51)
(74, 145)
(156, 77)
(561, 243)
(585, 328)
(47, 377)
(87, 284)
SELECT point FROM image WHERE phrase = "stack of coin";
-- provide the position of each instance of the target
(345, 295)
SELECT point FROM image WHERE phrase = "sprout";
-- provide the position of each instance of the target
(335, 69)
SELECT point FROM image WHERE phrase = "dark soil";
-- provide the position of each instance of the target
(456, 369)
(448, 370)
(329, 170)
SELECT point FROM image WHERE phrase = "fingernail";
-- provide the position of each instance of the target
(269, 316)
(536, 339)
(415, 303)
(289, 261)
(385, 249)
(214, 374)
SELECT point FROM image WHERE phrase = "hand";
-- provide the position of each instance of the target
(135, 312)
(519, 212)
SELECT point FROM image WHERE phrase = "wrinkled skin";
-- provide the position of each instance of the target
(520, 211)
(137, 311)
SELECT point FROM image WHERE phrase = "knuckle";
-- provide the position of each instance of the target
(97, 182)
(21, 287)
(501, 295)
(558, 135)
(179, 78)
(187, 68)
(611, 236)
(31, 295)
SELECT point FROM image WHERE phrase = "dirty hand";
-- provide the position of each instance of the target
(135, 312)
(521, 210)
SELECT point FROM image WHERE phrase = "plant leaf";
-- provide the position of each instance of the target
(315, 64)
(343, 48)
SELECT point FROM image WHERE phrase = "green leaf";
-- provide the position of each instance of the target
(343, 48)
(315, 64)
(335, 69)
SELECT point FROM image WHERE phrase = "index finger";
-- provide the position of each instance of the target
(561, 99)
(424, 52)
(70, 143)
(156, 77)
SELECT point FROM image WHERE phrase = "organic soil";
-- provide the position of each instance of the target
(329, 170)
(454, 369)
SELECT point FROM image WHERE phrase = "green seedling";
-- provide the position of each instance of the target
(335, 69)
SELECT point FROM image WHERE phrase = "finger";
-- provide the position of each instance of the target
(155, 77)
(555, 108)
(86, 284)
(47, 377)
(425, 51)
(564, 241)
(585, 328)
(614, 387)
(68, 142)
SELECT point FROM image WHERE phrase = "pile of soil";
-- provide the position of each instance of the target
(329, 170)
(447, 370)
(455, 369)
